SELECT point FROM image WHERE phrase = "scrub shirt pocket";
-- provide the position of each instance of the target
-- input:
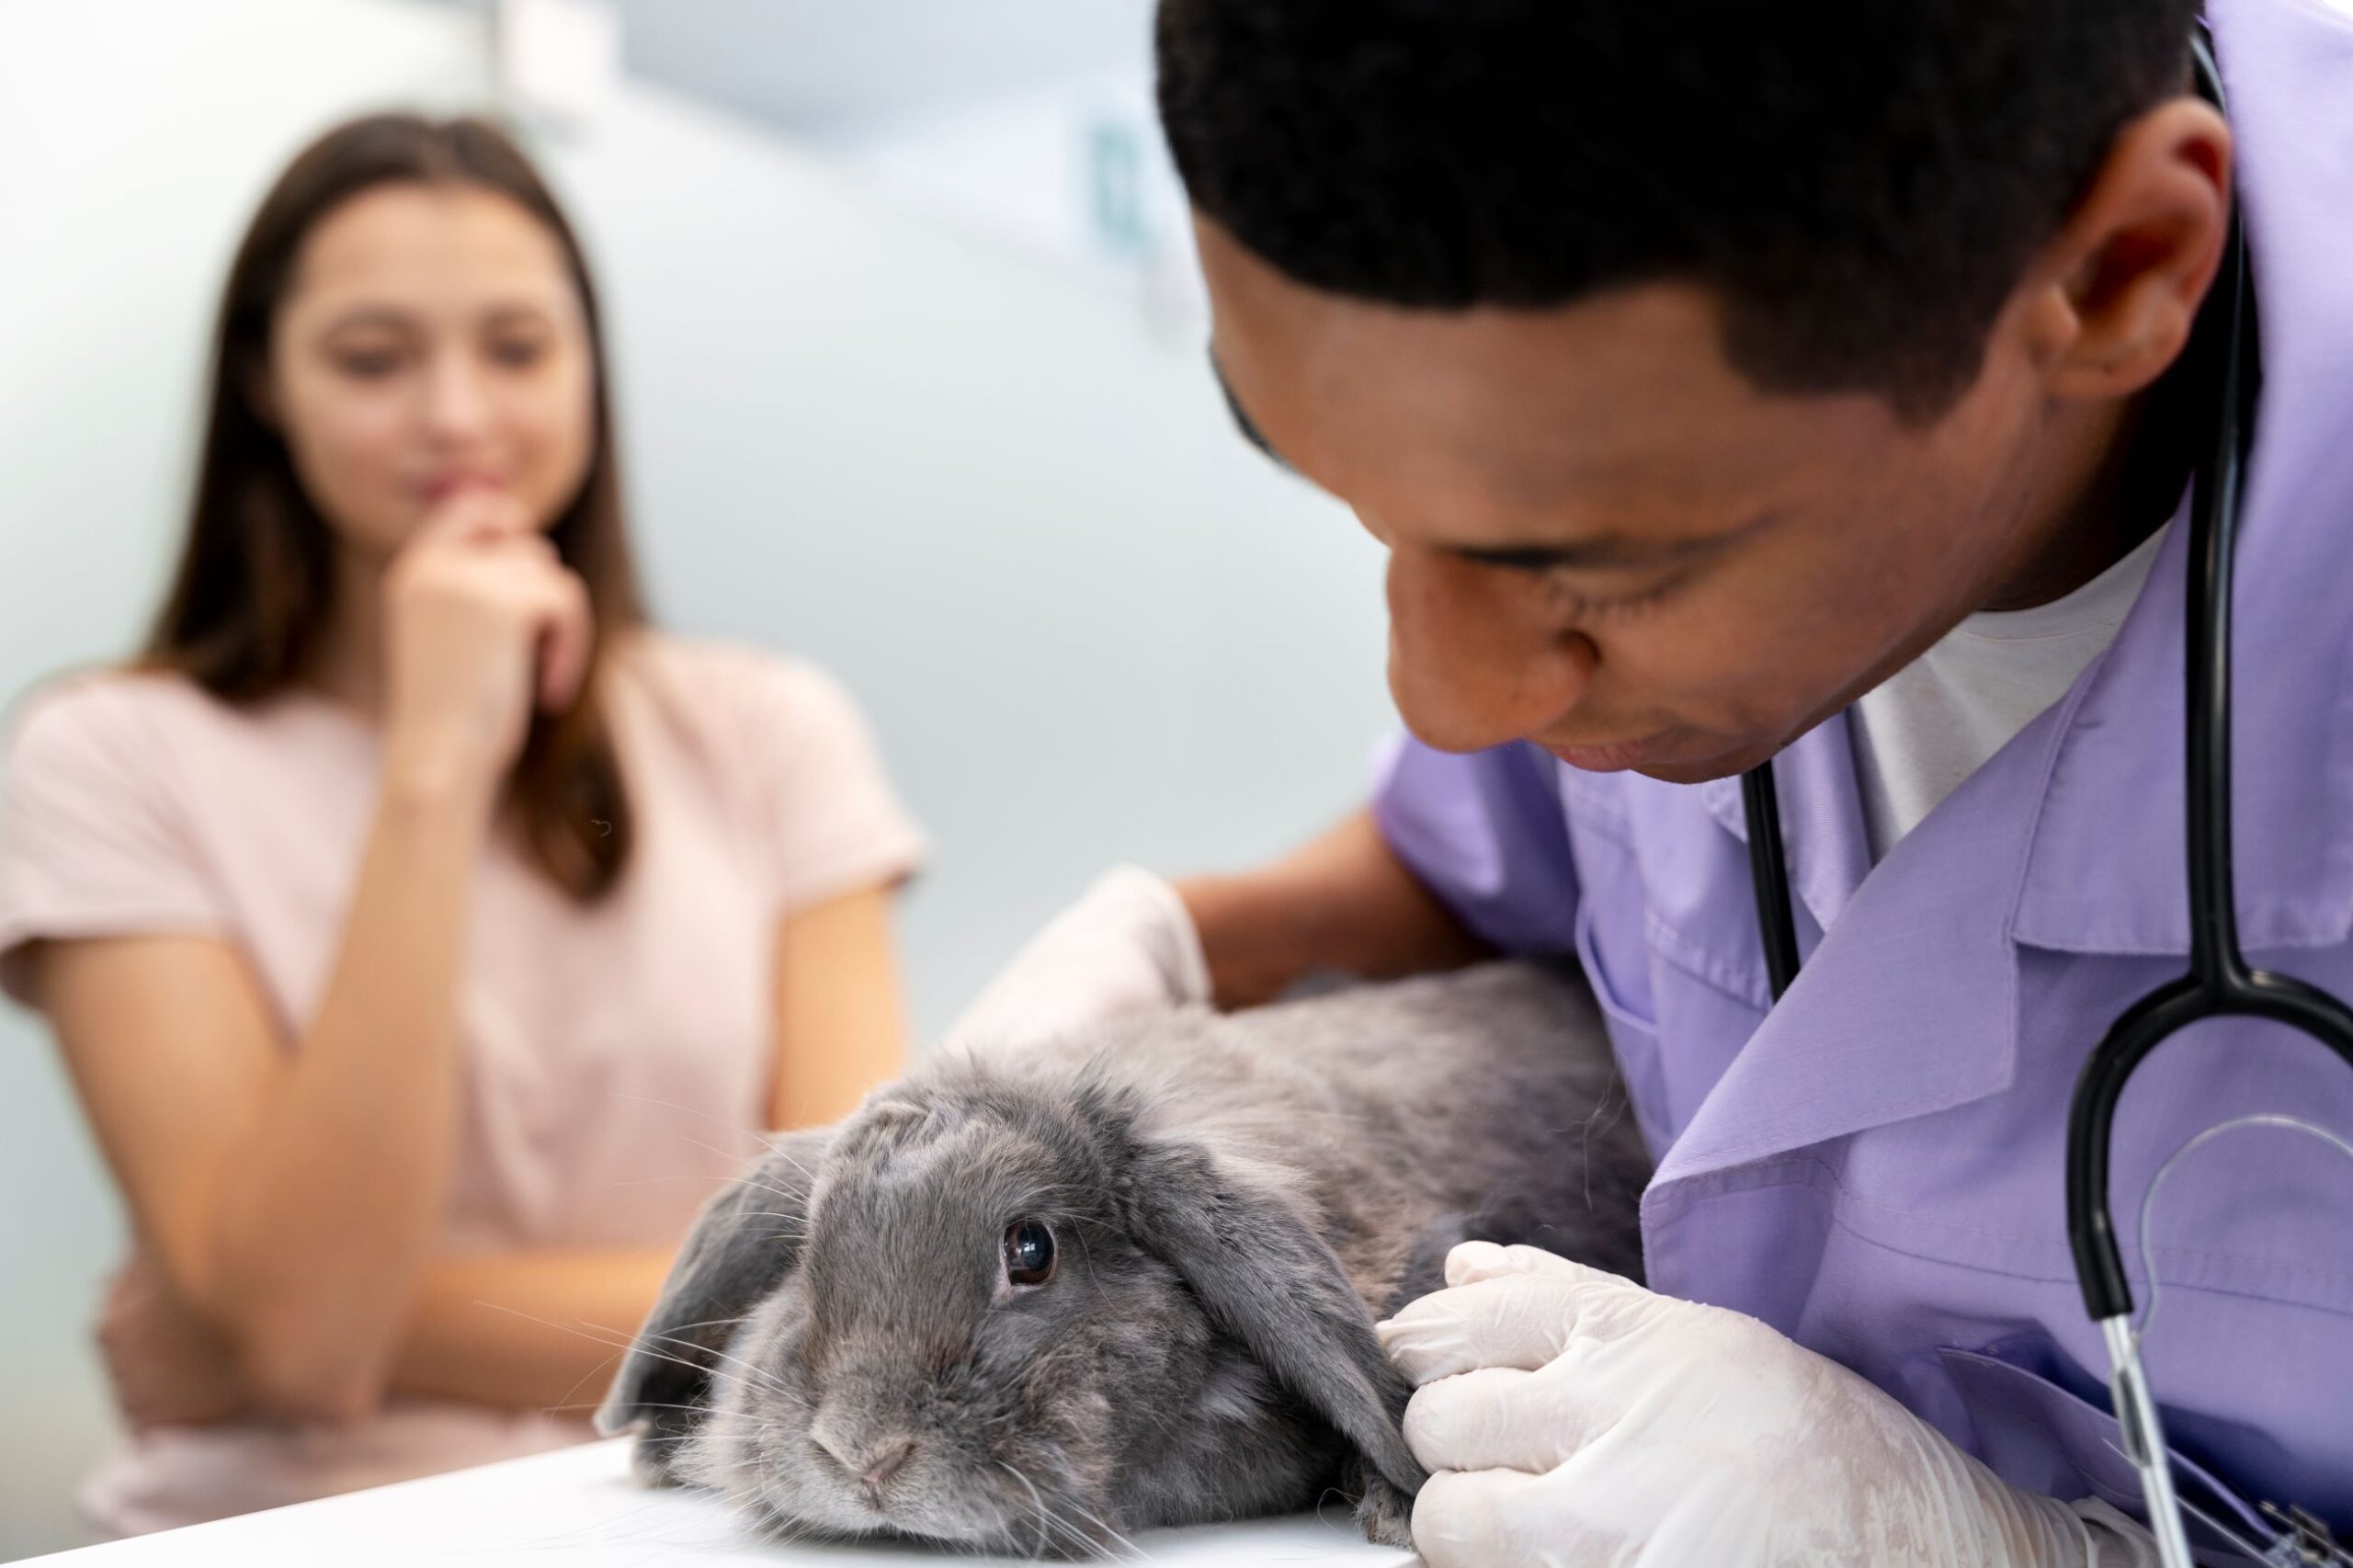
(2038, 1435)
(1633, 1032)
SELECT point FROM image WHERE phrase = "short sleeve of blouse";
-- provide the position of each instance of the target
(93, 843)
(833, 821)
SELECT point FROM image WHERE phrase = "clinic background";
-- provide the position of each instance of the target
(911, 379)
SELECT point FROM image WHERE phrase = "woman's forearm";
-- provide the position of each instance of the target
(327, 1216)
(840, 1026)
(533, 1330)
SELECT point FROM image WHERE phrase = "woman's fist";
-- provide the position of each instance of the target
(481, 624)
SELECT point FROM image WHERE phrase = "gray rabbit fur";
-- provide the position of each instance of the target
(1229, 1201)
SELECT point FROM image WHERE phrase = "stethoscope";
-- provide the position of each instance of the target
(2220, 984)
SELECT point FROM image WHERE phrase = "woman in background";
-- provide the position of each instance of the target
(424, 935)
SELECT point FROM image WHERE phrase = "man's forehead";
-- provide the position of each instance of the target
(1562, 522)
(1615, 425)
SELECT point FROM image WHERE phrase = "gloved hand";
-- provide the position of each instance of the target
(1127, 945)
(1568, 1417)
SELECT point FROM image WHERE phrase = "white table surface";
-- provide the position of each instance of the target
(579, 1509)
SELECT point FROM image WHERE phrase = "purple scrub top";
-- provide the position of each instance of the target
(1874, 1167)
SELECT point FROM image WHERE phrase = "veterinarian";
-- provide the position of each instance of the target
(419, 926)
(1822, 384)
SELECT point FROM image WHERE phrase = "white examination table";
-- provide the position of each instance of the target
(578, 1508)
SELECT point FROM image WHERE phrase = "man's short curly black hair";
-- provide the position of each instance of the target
(1863, 181)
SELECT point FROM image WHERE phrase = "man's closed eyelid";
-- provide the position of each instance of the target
(1570, 602)
(1611, 552)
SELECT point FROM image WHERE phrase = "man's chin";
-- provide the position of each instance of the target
(1659, 757)
(1725, 764)
(1694, 772)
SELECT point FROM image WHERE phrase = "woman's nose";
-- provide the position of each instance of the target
(457, 400)
(1471, 664)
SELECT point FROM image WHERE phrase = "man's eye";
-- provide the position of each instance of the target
(1563, 596)
(1577, 607)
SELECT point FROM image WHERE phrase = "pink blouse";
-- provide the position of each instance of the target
(616, 1057)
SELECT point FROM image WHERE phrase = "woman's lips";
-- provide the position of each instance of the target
(1613, 759)
(440, 487)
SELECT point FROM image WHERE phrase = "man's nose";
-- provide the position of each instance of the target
(1469, 666)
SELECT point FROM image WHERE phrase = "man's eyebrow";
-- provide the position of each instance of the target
(1242, 421)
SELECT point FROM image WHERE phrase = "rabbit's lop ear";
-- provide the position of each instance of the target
(1243, 1239)
(742, 1245)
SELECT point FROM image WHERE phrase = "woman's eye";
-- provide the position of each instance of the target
(366, 364)
(1028, 1253)
(515, 355)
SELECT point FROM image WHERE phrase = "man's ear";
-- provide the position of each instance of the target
(2124, 277)
(1243, 1240)
(742, 1246)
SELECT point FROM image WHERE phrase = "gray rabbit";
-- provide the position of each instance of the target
(1026, 1300)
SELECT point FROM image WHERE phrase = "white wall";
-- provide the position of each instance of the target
(1076, 170)
(134, 135)
(1087, 622)
(834, 67)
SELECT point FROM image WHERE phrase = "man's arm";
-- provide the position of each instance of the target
(1342, 901)
(1134, 941)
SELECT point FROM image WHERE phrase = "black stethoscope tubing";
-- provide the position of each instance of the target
(2220, 982)
(1769, 876)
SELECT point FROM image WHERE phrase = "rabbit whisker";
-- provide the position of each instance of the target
(765, 1378)
(711, 1322)
(1036, 1501)
(764, 1186)
(758, 1374)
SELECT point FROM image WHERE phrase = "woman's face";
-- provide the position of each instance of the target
(431, 340)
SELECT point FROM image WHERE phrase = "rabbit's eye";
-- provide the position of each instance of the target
(1028, 1253)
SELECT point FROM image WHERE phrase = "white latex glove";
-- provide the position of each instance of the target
(1127, 945)
(1568, 1417)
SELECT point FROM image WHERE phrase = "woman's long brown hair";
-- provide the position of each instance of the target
(254, 589)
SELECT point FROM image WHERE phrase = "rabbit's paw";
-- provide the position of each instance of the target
(1386, 1514)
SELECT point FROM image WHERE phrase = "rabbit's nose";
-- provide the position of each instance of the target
(874, 1462)
(881, 1467)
